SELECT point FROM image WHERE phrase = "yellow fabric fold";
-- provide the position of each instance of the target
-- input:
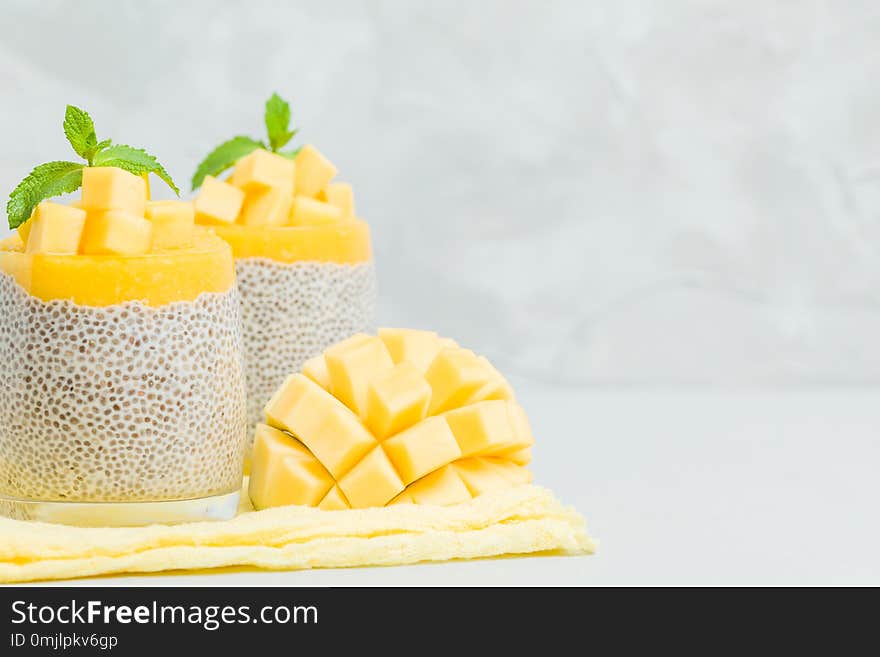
(521, 520)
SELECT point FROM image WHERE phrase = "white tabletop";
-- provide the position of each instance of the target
(680, 486)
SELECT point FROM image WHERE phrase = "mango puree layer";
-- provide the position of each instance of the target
(155, 279)
(346, 242)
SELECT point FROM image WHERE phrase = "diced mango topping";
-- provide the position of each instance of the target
(311, 212)
(340, 195)
(286, 210)
(109, 188)
(313, 171)
(24, 230)
(361, 411)
(173, 224)
(55, 228)
(262, 170)
(116, 232)
(268, 207)
(218, 202)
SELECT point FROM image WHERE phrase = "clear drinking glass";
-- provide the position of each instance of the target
(303, 288)
(122, 396)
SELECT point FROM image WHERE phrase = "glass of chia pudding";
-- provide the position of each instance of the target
(122, 393)
(303, 261)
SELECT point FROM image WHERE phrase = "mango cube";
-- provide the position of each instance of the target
(372, 482)
(321, 422)
(55, 228)
(522, 429)
(352, 364)
(419, 348)
(482, 428)
(284, 472)
(497, 386)
(24, 230)
(218, 202)
(110, 188)
(262, 170)
(115, 232)
(421, 449)
(173, 224)
(334, 501)
(480, 476)
(316, 369)
(313, 171)
(341, 196)
(455, 375)
(441, 488)
(510, 471)
(517, 455)
(267, 207)
(396, 399)
(310, 212)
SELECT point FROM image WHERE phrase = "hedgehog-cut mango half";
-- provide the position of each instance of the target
(405, 417)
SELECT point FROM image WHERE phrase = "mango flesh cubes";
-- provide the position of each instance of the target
(268, 194)
(341, 196)
(54, 228)
(262, 170)
(267, 207)
(173, 224)
(113, 246)
(291, 475)
(310, 212)
(323, 423)
(116, 232)
(110, 188)
(218, 202)
(313, 171)
(366, 413)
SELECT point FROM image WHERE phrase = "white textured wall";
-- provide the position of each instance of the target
(586, 191)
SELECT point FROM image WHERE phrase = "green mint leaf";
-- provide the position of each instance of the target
(224, 157)
(133, 160)
(278, 122)
(291, 154)
(45, 181)
(80, 131)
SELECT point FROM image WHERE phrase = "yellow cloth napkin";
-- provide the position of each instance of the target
(520, 520)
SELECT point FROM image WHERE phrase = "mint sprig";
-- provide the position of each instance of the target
(45, 181)
(54, 178)
(133, 160)
(277, 119)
